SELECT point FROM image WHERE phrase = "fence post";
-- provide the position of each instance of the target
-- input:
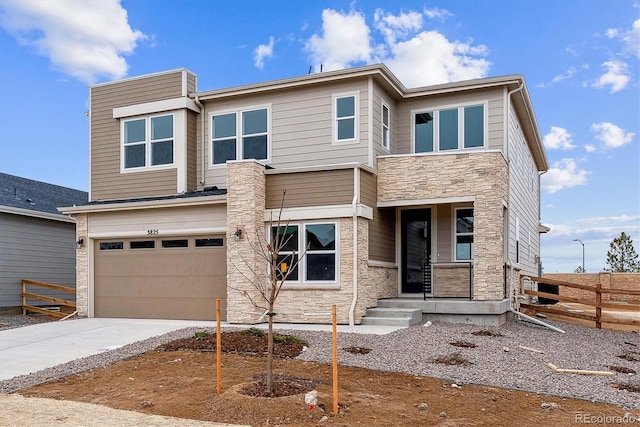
(598, 305)
(24, 299)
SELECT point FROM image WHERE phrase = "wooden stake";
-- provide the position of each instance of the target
(218, 349)
(334, 321)
(554, 368)
(530, 349)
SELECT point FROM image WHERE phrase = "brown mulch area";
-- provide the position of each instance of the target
(179, 380)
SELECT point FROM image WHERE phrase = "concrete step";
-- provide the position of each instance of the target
(412, 303)
(386, 321)
(392, 316)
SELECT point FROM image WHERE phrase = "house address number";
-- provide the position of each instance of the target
(152, 232)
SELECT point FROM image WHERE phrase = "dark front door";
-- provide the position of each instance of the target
(416, 251)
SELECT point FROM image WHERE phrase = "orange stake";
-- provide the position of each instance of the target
(334, 319)
(218, 348)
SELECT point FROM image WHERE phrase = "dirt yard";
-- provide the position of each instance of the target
(179, 380)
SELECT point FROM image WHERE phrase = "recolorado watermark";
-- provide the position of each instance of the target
(585, 418)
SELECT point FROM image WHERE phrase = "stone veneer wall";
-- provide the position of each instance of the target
(245, 210)
(82, 266)
(483, 175)
(312, 304)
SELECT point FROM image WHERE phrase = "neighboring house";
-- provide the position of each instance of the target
(36, 241)
(427, 197)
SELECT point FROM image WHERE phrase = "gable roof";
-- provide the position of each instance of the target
(28, 197)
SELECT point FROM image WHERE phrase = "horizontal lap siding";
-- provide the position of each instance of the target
(192, 151)
(379, 96)
(382, 235)
(301, 127)
(321, 188)
(368, 189)
(444, 234)
(179, 218)
(495, 116)
(107, 182)
(35, 249)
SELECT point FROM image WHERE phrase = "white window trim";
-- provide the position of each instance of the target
(147, 143)
(334, 119)
(436, 126)
(239, 151)
(386, 142)
(302, 266)
(456, 234)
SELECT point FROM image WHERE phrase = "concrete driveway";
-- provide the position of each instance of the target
(32, 348)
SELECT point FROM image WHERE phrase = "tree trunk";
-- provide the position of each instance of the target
(270, 351)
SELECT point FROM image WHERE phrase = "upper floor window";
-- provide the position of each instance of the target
(345, 123)
(464, 234)
(449, 129)
(148, 141)
(251, 142)
(385, 127)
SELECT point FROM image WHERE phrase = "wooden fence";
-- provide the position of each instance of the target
(596, 302)
(55, 301)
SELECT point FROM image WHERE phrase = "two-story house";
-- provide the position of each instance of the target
(428, 197)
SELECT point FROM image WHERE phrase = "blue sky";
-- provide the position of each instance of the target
(580, 59)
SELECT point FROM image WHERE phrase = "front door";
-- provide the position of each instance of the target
(416, 251)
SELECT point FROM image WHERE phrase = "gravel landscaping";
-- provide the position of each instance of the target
(497, 359)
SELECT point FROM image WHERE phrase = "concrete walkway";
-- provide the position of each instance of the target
(32, 348)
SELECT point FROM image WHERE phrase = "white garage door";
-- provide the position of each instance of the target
(160, 278)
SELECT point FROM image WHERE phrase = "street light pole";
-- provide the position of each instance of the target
(578, 240)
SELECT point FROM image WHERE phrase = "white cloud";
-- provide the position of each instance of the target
(86, 40)
(435, 12)
(630, 38)
(616, 76)
(559, 77)
(562, 175)
(611, 135)
(263, 51)
(590, 148)
(416, 58)
(558, 138)
(344, 41)
(394, 26)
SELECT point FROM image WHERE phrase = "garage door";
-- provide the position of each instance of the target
(160, 278)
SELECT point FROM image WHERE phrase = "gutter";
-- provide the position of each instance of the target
(354, 206)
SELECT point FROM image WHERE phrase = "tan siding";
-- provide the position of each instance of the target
(192, 151)
(524, 203)
(368, 188)
(107, 182)
(444, 231)
(382, 236)
(178, 218)
(192, 83)
(380, 96)
(301, 123)
(321, 188)
(494, 114)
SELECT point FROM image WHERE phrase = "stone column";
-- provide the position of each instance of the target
(245, 212)
(82, 266)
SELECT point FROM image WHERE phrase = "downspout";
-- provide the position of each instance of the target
(507, 111)
(522, 315)
(202, 141)
(354, 207)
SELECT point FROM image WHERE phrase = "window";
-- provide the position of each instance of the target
(205, 243)
(148, 142)
(385, 127)
(345, 118)
(319, 265)
(111, 246)
(142, 244)
(178, 243)
(252, 143)
(449, 129)
(464, 234)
